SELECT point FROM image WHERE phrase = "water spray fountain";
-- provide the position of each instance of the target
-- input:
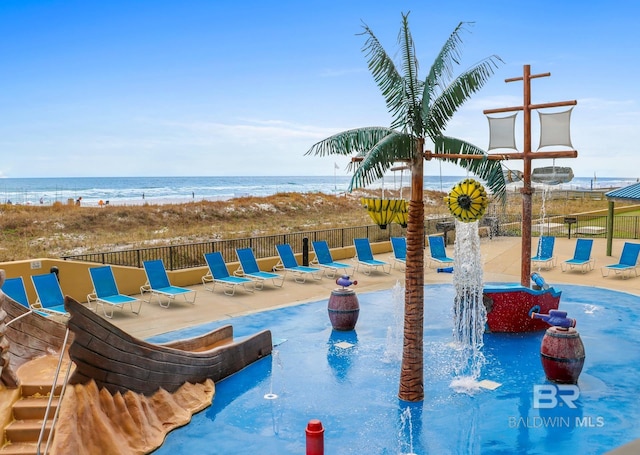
(468, 201)
(275, 359)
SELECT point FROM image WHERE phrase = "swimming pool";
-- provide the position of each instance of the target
(349, 381)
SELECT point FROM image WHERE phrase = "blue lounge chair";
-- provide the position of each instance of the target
(249, 268)
(364, 257)
(628, 261)
(544, 258)
(581, 257)
(325, 260)
(219, 274)
(399, 247)
(14, 288)
(50, 298)
(105, 291)
(438, 253)
(288, 263)
(158, 284)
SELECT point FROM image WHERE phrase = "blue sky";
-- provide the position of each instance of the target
(203, 87)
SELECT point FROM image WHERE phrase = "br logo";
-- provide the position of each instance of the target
(549, 396)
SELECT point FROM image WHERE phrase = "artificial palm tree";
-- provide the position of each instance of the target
(420, 111)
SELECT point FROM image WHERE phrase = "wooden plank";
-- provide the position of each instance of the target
(31, 336)
(119, 361)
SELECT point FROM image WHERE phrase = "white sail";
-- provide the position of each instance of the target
(502, 132)
(555, 129)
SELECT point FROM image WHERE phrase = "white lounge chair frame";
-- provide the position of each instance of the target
(324, 259)
(582, 258)
(249, 268)
(289, 264)
(437, 245)
(628, 262)
(105, 292)
(219, 274)
(161, 287)
(364, 257)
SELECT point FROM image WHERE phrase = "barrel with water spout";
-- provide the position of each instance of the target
(343, 306)
(562, 352)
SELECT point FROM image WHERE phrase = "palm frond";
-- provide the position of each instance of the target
(488, 170)
(394, 147)
(412, 120)
(350, 142)
(442, 68)
(386, 76)
(458, 92)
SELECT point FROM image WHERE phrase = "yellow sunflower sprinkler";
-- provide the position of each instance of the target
(467, 201)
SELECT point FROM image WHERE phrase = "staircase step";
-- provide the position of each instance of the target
(22, 448)
(26, 430)
(34, 408)
(38, 389)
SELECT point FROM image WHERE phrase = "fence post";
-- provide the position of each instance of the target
(305, 251)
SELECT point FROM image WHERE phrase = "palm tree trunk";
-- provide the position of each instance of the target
(412, 370)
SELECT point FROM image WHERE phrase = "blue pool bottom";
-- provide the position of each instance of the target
(349, 381)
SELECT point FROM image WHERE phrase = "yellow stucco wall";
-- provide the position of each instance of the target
(76, 282)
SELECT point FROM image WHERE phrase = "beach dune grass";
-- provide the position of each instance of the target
(60, 229)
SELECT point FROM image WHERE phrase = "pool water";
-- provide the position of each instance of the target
(349, 381)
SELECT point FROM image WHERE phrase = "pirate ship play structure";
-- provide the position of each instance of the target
(509, 306)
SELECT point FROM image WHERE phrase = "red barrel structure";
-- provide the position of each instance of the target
(562, 355)
(344, 309)
(315, 437)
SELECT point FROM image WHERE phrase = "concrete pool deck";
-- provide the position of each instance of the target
(501, 258)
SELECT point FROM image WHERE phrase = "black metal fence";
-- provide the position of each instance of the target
(189, 255)
(176, 257)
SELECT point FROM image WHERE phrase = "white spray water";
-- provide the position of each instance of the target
(543, 221)
(469, 313)
(406, 433)
(275, 361)
(395, 332)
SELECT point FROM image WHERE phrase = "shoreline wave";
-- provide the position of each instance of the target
(179, 190)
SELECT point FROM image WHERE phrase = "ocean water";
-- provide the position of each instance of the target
(162, 190)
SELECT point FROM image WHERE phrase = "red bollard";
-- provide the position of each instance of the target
(315, 437)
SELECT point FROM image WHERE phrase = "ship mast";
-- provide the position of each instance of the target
(526, 156)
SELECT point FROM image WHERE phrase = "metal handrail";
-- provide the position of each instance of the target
(51, 396)
(19, 317)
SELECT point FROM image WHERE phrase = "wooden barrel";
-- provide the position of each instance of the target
(562, 355)
(343, 309)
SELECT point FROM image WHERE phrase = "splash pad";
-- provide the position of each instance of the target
(348, 380)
